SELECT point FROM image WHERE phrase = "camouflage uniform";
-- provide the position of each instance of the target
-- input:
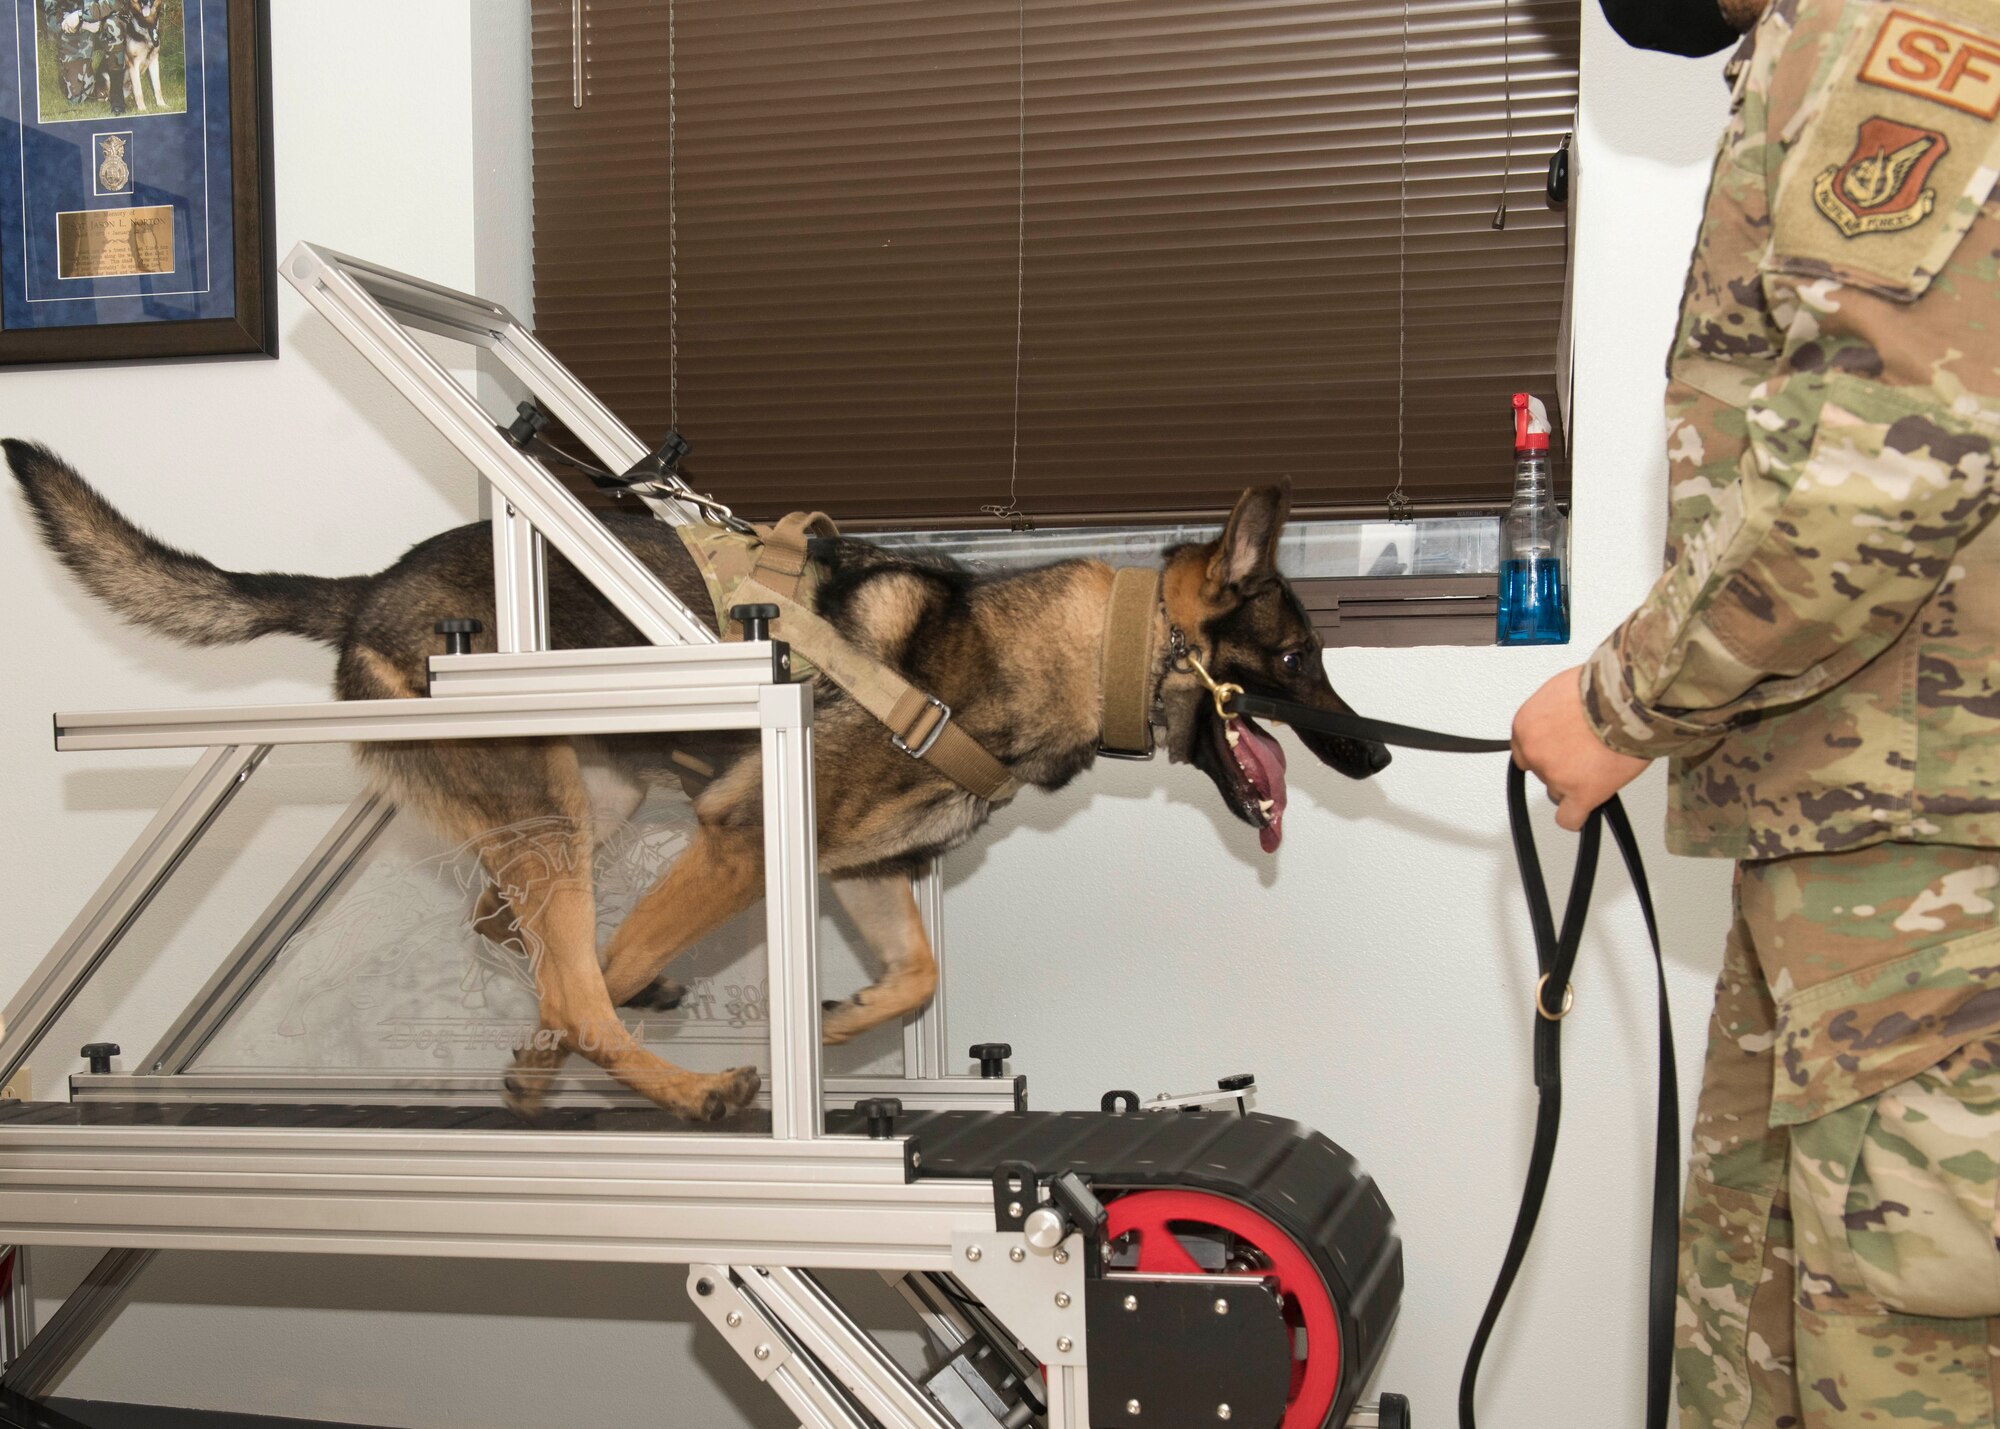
(1821, 658)
(81, 45)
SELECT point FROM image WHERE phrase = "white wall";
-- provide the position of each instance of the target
(1375, 974)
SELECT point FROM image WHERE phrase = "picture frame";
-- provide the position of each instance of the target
(136, 225)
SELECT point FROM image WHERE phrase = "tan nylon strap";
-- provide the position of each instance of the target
(1131, 631)
(908, 712)
(782, 562)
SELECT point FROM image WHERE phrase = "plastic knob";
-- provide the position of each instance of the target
(881, 1113)
(458, 635)
(991, 1056)
(755, 620)
(1240, 1082)
(99, 1055)
(1045, 1228)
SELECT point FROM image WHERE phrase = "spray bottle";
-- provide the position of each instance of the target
(1534, 597)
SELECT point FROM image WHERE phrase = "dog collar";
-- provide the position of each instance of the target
(1130, 663)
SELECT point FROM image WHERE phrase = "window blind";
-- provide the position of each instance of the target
(908, 260)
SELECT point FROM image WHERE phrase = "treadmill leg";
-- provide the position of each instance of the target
(73, 1329)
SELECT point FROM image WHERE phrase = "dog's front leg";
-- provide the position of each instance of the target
(885, 909)
(136, 74)
(153, 68)
(717, 876)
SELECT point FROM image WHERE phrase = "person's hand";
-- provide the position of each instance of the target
(1554, 742)
(71, 21)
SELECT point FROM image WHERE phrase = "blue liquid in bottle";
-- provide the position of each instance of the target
(1534, 609)
(1534, 598)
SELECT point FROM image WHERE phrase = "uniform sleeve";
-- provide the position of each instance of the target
(1849, 376)
(1851, 501)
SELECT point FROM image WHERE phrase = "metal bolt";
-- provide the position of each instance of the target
(1221, 1411)
(1017, 1255)
(973, 1253)
(734, 1319)
(1014, 1210)
(1222, 1307)
(1131, 1406)
(1131, 1302)
(1064, 1344)
(762, 1352)
(1062, 1299)
(1062, 1256)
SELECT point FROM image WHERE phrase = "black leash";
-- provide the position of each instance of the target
(1555, 956)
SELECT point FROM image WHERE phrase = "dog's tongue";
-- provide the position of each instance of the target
(1263, 759)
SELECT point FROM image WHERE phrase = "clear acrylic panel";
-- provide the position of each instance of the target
(388, 977)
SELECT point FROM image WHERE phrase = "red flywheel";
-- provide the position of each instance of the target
(1156, 1221)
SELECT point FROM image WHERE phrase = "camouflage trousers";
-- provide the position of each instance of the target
(1838, 1258)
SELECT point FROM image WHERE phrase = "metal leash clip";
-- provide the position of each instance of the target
(1223, 691)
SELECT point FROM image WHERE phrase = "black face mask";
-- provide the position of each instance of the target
(1677, 27)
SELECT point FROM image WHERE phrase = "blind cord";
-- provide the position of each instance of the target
(1399, 503)
(1507, 107)
(673, 233)
(1011, 511)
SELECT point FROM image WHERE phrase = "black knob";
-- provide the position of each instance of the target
(881, 1113)
(99, 1055)
(1240, 1082)
(991, 1056)
(527, 424)
(1393, 1411)
(755, 620)
(458, 635)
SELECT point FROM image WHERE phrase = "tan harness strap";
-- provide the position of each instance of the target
(782, 562)
(1131, 632)
(919, 724)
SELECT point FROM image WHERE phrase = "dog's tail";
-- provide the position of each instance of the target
(154, 585)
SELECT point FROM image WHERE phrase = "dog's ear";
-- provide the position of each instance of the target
(1247, 554)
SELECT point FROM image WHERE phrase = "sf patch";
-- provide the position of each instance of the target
(1915, 54)
(1882, 186)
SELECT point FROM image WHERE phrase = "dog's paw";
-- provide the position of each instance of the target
(662, 994)
(523, 1092)
(726, 1093)
(841, 1021)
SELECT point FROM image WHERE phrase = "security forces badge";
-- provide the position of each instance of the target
(114, 168)
(1880, 188)
(1899, 155)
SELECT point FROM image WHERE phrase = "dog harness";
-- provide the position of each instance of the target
(773, 566)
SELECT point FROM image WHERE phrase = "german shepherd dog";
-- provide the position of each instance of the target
(1016, 656)
(142, 50)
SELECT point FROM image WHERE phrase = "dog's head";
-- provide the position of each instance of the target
(1243, 622)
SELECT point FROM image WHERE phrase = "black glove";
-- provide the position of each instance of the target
(1677, 27)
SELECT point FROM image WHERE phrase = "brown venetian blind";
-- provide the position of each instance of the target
(1129, 255)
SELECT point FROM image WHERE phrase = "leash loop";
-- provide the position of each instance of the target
(1568, 1004)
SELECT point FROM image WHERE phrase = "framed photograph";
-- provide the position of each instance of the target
(135, 188)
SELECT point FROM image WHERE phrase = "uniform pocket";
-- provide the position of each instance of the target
(1903, 1193)
(1887, 168)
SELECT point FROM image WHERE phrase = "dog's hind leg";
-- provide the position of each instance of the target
(884, 907)
(522, 805)
(717, 876)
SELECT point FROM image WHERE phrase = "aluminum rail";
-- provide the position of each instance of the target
(75, 1327)
(472, 1089)
(371, 307)
(365, 721)
(122, 897)
(836, 1202)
